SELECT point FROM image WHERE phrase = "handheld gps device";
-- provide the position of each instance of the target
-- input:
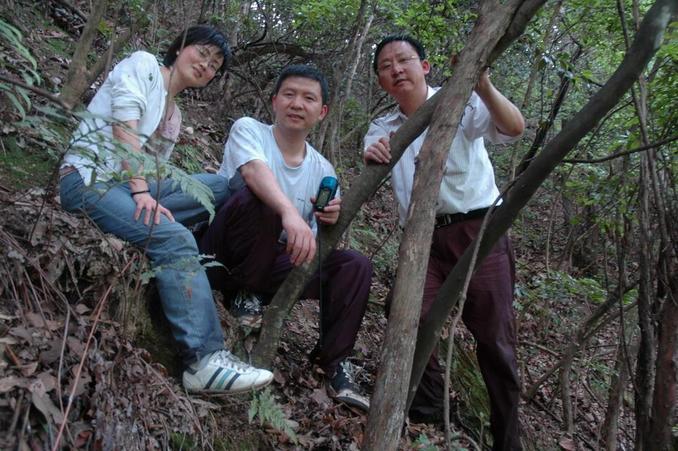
(326, 192)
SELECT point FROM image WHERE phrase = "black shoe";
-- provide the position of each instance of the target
(246, 308)
(342, 388)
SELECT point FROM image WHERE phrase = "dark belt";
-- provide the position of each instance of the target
(63, 172)
(452, 218)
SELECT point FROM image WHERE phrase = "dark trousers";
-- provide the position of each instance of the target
(488, 314)
(244, 238)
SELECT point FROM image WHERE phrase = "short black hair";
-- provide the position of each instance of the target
(397, 38)
(195, 35)
(305, 71)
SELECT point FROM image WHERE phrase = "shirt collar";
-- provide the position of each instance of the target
(400, 116)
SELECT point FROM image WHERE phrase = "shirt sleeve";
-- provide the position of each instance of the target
(374, 133)
(244, 144)
(131, 82)
(477, 123)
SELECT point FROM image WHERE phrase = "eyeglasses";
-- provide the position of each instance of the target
(402, 61)
(213, 62)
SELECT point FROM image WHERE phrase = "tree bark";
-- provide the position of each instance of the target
(387, 409)
(618, 382)
(666, 374)
(347, 64)
(77, 75)
(335, 127)
(622, 372)
(645, 45)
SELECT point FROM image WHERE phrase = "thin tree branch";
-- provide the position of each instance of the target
(622, 153)
(41, 92)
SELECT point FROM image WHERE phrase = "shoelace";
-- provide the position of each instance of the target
(348, 371)
(228, 360)
(250, 303)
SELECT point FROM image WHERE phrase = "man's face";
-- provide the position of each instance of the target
(298, 105)
(400, 70)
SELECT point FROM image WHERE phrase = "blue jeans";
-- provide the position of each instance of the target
(182, 283)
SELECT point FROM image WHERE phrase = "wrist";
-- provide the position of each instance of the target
(143, 191)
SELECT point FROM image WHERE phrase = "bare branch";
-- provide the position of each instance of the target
(622, 153)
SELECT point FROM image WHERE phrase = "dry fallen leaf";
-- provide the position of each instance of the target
(28, 369)
(8, 383)
(320, 396)
(567, 444)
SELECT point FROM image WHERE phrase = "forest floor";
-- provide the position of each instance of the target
(71, 358)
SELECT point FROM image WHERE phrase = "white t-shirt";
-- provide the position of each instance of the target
(468, 179)
(133, 90)
(250, 140)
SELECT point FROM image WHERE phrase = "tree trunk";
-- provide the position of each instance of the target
(76, 78)
(622, 372)
(348, 63)
(387, 409)
(335, 127)
(666, 374)
(79, 77)
(620, 378)
(646, 43)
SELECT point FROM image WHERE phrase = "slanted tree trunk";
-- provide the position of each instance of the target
(76, 77)
(545, 126)
(387, 410)
(79, 77)
(646, 43)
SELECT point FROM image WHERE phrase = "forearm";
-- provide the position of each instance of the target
(262, 182)
(125, 134)
(505, 115)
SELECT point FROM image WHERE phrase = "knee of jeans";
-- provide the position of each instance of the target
(174, 244)
(220, 190)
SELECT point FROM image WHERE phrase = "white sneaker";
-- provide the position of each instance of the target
(222, 372)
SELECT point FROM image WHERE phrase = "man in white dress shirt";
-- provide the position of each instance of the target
(467, 190)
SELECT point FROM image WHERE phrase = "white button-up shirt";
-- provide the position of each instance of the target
(468, 179)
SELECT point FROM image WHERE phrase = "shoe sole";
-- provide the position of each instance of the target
(228, 392)
(351, 402)
(253, 322)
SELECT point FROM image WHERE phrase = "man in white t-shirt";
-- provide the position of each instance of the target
(467, 190)
(268, 225)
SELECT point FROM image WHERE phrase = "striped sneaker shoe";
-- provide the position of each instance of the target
(222, 372)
